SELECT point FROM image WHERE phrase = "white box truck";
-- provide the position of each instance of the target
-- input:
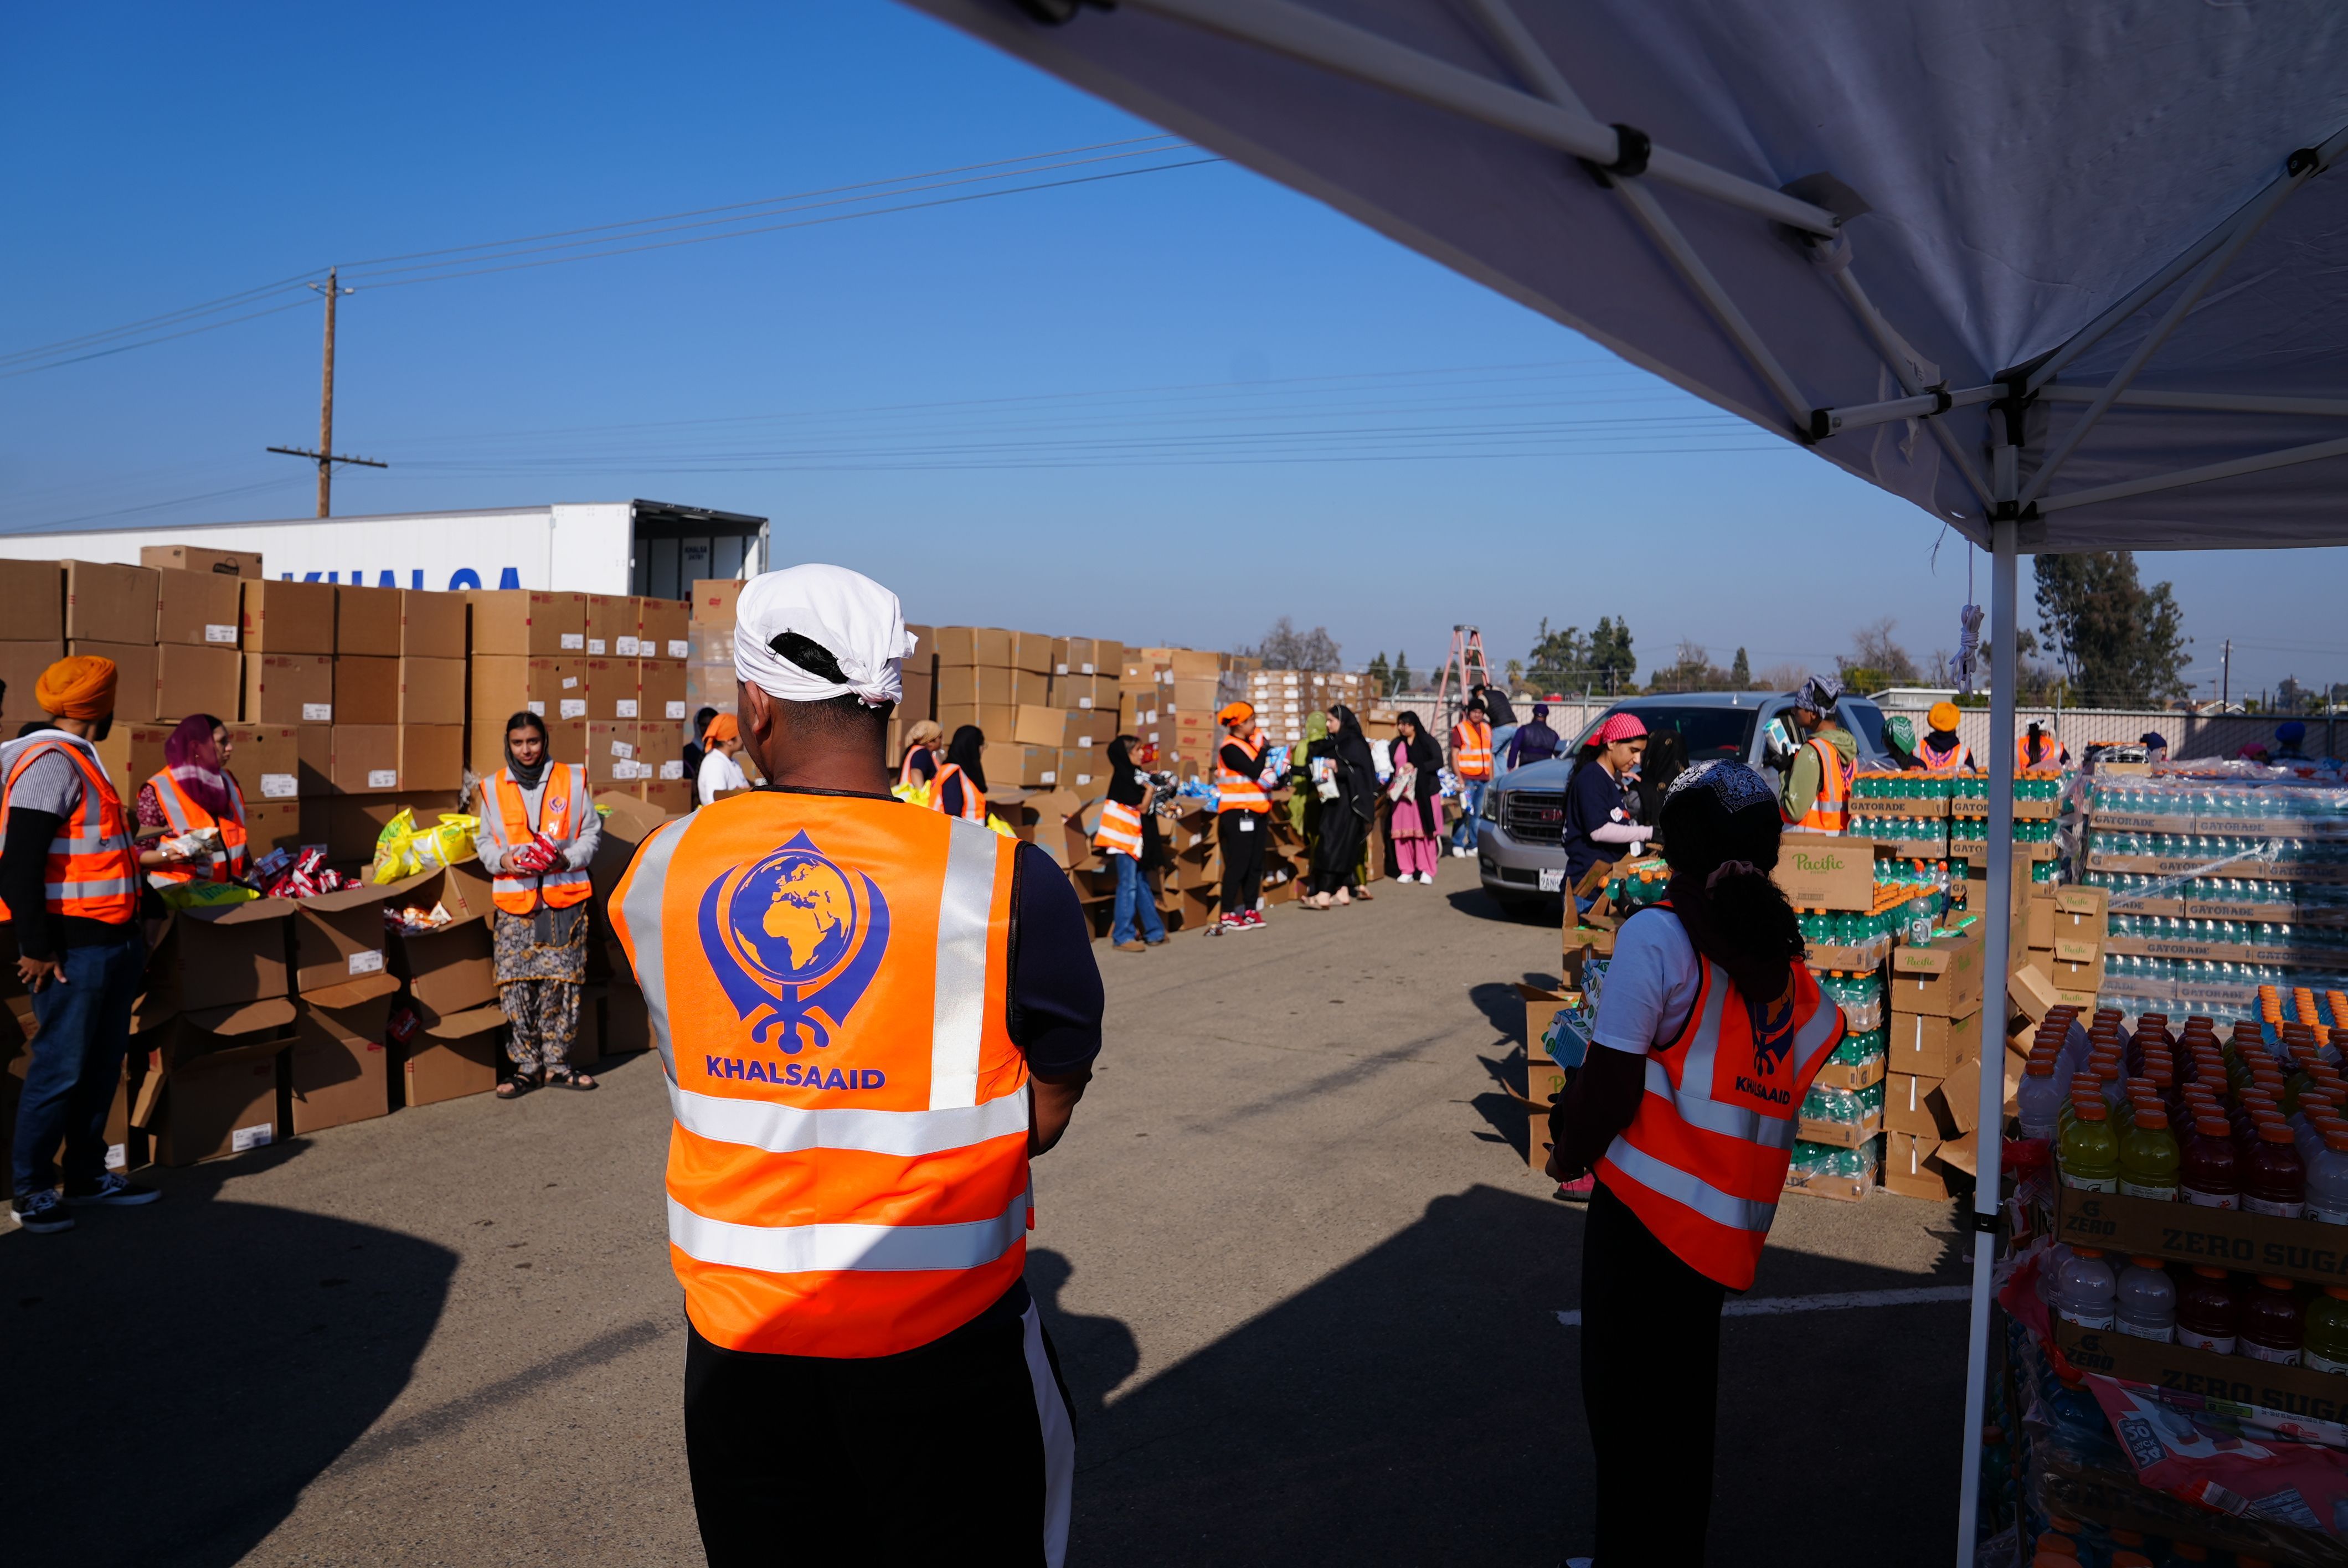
(651, 548)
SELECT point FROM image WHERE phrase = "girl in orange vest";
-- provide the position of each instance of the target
(538, 834)
(194, 794)
(1128, 833)
(920, 762)
(960, 786)
(1708, 1035)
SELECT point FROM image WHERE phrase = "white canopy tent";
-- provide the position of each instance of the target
(2067, 278)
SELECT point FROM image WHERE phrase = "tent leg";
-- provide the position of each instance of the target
(1996, 927)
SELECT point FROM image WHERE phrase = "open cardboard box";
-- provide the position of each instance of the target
(451, 1055)
(212, 1081)
(338, 937)
(208, 958)
(1943, 977)
(339, 1064)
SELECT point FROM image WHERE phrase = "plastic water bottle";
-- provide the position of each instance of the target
(2040, 1098)
(2145, 1303)
(2088, 1289)
(2327, 1178)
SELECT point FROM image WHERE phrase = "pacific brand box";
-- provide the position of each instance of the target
(528, 623)
(289, 689)
(1930, 1046)
(366, 621)
(282, 617)
(431, 691)
(431, 625)
(1943, 977)
(193, 679)
(1961, 1091)
(197, 606)
(1909, 1168)
(1819, 872)
(108, 603)
(134, 676)
(187, 558)
(366, 688)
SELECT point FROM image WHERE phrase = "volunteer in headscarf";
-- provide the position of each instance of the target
(696, 744)
(1415, 824)
(920, 763)
(1816, 796)
(538, 836)
(719, 770)
(1709, 1031)
(845, 1279)
(960, 789)
(1943, 752)
(2291, 742)
(1533, 741)
(1346, 813)
(2040, 750)
(1303, 799)
(69, 888)
(1600, 824)
(197, 806)
(1128, 825)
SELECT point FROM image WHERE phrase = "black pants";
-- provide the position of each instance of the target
(961, 1452)
(1240, 833)
(1336, 858)
(1650, 1390)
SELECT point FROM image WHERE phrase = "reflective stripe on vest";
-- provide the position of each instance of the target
(1240, 791)
(1471, 750)
(905, 773)
(505, 815)
(847, 1175)
(225, 864)
(974, 799)
(92, 872)
(1705, 1157)
(1949, 762)
(1830, 807)
(1120, 829)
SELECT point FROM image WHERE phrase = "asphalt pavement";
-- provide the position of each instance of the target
(1306, 1290)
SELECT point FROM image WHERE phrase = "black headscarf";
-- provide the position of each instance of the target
(963, 752)
(1740, 919)
(528, 777)
(1357, 774)
(1424, 753)
(1122, 774)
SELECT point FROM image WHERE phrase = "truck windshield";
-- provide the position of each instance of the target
(1706, 733)
(1865, 720)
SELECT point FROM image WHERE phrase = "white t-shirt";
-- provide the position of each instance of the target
(718, 771)
(1650, 986)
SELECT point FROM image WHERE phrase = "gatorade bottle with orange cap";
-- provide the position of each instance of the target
(2090, 1155)
(2272, 1323)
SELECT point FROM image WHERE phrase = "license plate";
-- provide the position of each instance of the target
(1553, 881)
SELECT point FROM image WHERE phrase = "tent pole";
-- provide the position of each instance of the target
(1996, 927)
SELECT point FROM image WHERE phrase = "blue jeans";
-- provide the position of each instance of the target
(1472, 804)
(1133, 897)
(85, 1031)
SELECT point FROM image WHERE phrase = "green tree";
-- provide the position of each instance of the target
(1559, 660)
(1691, 670)
(1381, 675)
(1401, 675)
(1610, 659)
(2119, 643)
(1513, 673)
(1740, 673)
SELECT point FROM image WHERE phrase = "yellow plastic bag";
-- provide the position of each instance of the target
(392, 852)
(403, 849)
(206, 894)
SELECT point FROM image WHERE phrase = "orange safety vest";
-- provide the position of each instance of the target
(974, 799)
(828, 982)
(1705, 1157)
(1471, 750)
(1120, 829)
(1951, 761)
(560, 809)
(905, 773)
(1830, 808)
(225, 864)
(1236, 791)
(93, 869)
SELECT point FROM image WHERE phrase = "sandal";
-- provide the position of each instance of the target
(514, 1088)
(569, 1078)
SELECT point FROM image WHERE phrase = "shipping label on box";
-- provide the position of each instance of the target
(200, 608)
(282, 617)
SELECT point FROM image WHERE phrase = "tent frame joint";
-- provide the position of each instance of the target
(1632, 148)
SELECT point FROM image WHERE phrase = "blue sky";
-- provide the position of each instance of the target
(1168, 405)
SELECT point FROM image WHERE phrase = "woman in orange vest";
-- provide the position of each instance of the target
(194, 798)
(920, 763)
(959, 787)
(1242, 816)
(1943, 752)
(1127, 834)
(538, 834)
(1708, 1034)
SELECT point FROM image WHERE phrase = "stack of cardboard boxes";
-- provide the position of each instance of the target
(1284, 699)
(2068, 928)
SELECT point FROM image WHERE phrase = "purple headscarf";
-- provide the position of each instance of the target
(195, 762)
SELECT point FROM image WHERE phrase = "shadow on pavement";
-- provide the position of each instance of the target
(1421, 1405)
(1535, 910)
(1097, 1354)
(181, 1371)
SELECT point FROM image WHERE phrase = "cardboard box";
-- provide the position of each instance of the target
(339, 1065)
(2031, 993)
(21, 666)
(218, 1092)
(432, 625)
(1008, 763)
(1841, 1135)
(431, 756)
(134, 684)
(528, 623)
(366, 621)
(610, 687)
(431, 691)
(133, 753)
(452, 1055)
(663, 629)
(364, 759)
(1929, 1046)
(713, 601)
(210, 959)
(452, 970)
(338, 937)
(197, 606)
(282, 617)
(1825, 1185)
(1101, 694)
(354, 822)
(1544, 1081)
(966, 646)
(610, 617)
(271, 825)
(615, 752)
(367, 687)
(2242, 1379)
(315, 744)
(2229, 1238)
(34, 593)
(187, 558)
(289, 689)
(190, 678)
(1819, 872)
(1961, 1091)
(1943, 977)
(504, 685)
(1909, 1168)
(1540, 1006)
(1082, 769)
(1911, 1105)
(103, 603)
(963, 686)
(1050, 727)
(1844, 1075)
(660, 691)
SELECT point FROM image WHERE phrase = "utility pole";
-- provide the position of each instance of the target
(2225, 674)
(326, 456)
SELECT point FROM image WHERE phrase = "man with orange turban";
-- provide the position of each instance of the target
(1943, 752)
(721, 742)
(69, 889)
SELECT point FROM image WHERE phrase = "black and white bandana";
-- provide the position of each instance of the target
(1736, 785)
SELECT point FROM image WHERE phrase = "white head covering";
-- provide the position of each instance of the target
(849, 615)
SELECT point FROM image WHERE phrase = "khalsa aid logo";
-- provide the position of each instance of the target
(1773, 1041)
(795, 940)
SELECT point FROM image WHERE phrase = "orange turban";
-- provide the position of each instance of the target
(722, 728)
(1235, 713)
(81, 687)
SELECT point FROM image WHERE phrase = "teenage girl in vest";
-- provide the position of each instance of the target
(1707, 995)
(541, 955)
(960, 789)
(194, 792)
(919, 765)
